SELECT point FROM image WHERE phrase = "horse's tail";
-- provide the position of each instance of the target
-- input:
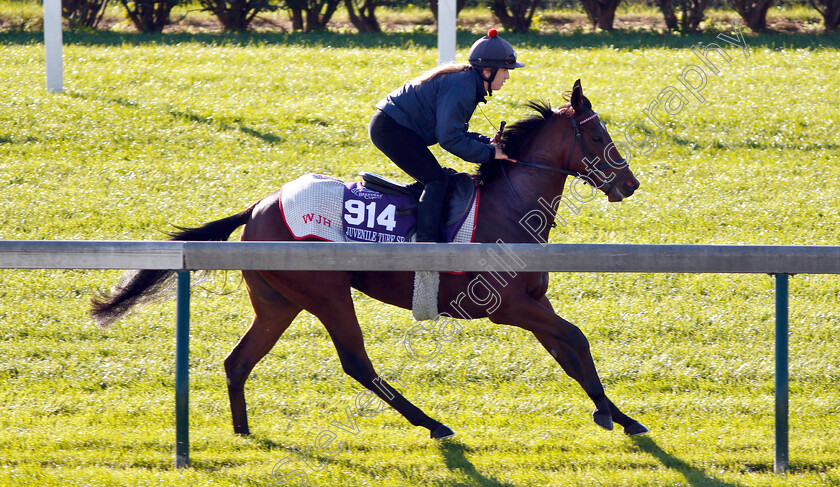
(137, 287)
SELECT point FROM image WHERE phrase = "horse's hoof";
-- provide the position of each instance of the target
(635, 429)
(441, 432)
(603, 418)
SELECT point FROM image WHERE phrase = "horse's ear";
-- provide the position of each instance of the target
(579, 102)
(577, 96)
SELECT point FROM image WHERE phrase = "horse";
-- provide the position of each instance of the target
(543, 149)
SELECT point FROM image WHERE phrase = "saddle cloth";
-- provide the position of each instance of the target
(327, 208)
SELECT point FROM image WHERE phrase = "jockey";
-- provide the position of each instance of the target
(436, 108)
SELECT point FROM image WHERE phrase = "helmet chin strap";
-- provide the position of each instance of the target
(489, 80)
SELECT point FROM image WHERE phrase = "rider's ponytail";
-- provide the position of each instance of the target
(440, 70)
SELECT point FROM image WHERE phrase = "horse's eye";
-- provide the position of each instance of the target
(596, 139)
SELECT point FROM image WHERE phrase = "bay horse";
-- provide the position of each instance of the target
(545, 148)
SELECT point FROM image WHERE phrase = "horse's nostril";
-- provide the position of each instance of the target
(630, 184)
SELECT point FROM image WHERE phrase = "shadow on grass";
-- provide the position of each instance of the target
(265, 443)
(223, 126)
(456, 460)
(614, 39)
(695, 476)
(264, 136)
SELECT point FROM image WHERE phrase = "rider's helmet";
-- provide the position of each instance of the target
(491, 51)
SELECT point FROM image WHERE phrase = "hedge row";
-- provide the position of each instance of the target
(514, 15)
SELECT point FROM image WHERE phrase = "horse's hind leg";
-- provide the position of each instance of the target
(328, 298)
(273, 313)
(343, 326)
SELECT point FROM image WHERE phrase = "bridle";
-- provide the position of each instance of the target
(588, 176)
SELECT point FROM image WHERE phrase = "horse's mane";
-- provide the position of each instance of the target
(517, 136)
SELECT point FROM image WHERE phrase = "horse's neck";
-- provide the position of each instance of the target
(520, 204)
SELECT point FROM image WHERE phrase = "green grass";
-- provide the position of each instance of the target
(154, 130)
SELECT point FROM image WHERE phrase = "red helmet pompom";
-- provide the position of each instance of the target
(492, 33)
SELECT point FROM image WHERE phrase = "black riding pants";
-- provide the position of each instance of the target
(410, 153)
(405, 148)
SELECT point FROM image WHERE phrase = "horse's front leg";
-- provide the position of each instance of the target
(567, 344)
(563, 354)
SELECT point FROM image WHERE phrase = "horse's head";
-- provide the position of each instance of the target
(594, 156)
(570, 141)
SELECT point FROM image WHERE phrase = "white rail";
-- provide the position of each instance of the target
(319, 256)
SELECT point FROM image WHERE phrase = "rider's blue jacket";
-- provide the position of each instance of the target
(439, 111)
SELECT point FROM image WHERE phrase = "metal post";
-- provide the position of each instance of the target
(182, 381)
(447, 29)
(782, 460)
(53, 45)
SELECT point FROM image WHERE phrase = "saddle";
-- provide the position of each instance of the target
(459, 196)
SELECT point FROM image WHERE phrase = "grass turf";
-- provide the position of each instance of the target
(153, 130)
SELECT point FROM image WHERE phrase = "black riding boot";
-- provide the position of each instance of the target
(429, 211)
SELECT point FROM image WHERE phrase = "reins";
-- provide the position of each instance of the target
(586, 176)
